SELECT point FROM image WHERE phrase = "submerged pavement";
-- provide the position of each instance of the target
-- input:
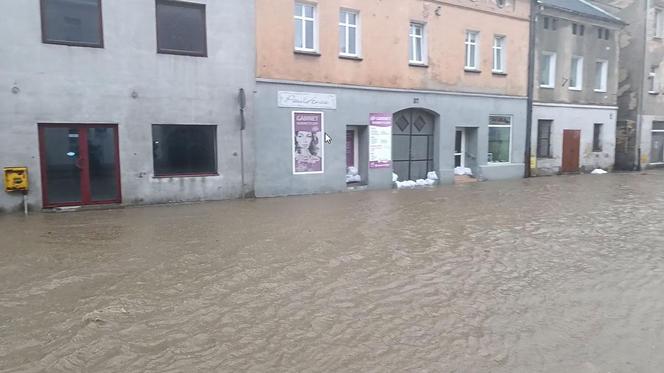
(559, 274)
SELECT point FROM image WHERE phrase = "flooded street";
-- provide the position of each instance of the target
(561, 274)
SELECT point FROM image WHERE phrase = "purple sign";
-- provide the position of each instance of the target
(307, 142)
(380, 140)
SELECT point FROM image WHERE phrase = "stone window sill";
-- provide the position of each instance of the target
(352, 58)
(474, 71)
(418, 64)
(307, 53)
(499, 73)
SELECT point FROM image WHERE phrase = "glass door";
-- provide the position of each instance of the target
(80, 164)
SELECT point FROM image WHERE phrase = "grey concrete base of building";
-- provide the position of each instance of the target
(573, 138)
(430, 131)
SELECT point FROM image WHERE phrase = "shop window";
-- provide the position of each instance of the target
(184, 150)
(72, 22)
(544, 138)
(500, 136)
(597, 137)
(181, 28)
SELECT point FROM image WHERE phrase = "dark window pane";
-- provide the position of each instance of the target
(75, 22)
(544, 138)
(181, 28)
(102, 166)
(63, 167)
(184, 150)
(658, 125)
(597, 138)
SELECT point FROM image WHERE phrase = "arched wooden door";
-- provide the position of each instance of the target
(412, 144)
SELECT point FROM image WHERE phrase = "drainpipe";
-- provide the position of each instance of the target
(534, 6)
(642, 88)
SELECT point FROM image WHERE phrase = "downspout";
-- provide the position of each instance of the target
(642, 88)
(534, 6)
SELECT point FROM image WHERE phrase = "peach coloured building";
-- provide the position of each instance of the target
(350, 92)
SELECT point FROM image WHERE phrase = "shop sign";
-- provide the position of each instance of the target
(380, 140)
(308, 142)
(307, 100)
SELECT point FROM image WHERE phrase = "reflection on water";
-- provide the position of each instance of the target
(544, 275)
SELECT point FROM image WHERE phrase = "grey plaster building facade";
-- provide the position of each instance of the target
(575, 94)
(126, 101)
(641, 91)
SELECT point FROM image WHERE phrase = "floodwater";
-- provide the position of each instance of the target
(560, 274)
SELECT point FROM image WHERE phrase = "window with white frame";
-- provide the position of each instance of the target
(659, 23)
(417, 44)
(306, 33)
(601, 75)
(500, 138)
(548, 70)
(349, 33)
(472, 50)
(499, 54)
(652, 81)
(657, 142)
(576, 74)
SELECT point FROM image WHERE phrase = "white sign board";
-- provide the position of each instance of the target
(380, 140)
(307, 100)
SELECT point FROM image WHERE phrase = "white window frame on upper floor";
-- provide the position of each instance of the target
(502, 58)
(552, 70)
(604, 79)
(472, 63)
(579, 73)
(412, 39)
(344, 27)
(659, 23)
(302, 17)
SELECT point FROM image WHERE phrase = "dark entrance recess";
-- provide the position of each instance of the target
(412, 144)
(571, 151)
(80, 164)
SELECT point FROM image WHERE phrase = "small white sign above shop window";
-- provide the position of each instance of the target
(307, 100)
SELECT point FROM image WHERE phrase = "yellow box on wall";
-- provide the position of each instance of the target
(16, 179)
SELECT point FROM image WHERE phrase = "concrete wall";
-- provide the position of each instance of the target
(566, 45)
(56, 83)
(384, 29)
(274, 173)
(576, 118)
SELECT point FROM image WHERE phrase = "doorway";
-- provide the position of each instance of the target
(460, 149)
(80, 164)
(571, 151)
(413, 144)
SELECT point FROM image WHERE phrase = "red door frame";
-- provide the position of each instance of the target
(86, 197)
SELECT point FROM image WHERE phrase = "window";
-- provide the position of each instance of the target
(472, 50)
(545, 22)
(499, 54)
(657, 146)
(544, 138)
(597, 137)
(72, 22)
(184, 149)
(349, 35)
(652, 81)
(554, 24)
(659, 23)
(181, 28)
(548, 70)
(576, 74)
(603, 33)
(306, 33)
(500, 135)
(601, 75)
(417, 44)
(578, 29)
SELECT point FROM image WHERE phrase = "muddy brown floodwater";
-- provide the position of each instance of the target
(561, 274)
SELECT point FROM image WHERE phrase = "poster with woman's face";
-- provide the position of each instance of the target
(307, 142)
